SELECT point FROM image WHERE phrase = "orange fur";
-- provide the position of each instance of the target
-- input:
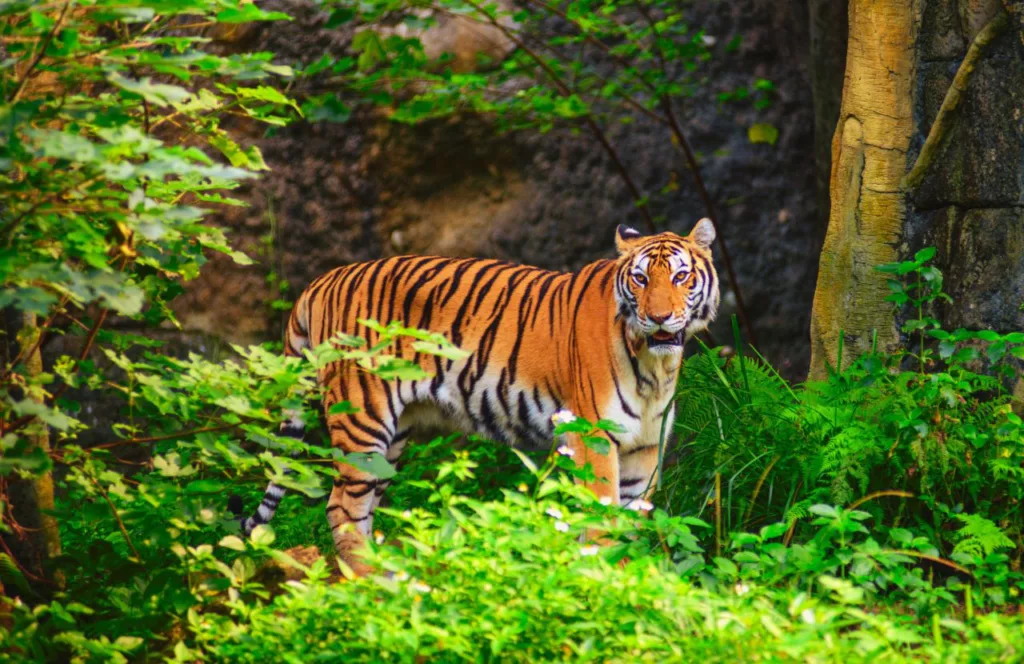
(603, 342)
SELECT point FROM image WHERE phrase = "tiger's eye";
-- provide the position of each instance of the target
(640, 279)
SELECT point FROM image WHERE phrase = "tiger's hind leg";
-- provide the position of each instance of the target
(357, 492)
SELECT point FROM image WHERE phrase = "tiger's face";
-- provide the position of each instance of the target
(666, 287)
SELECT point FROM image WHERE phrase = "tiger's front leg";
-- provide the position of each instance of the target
(638, 475)
(605, 483)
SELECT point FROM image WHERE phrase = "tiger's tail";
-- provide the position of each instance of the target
(296, 339)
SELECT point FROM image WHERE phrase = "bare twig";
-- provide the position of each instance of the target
(934, 559)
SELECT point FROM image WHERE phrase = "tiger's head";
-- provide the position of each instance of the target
(666, 287)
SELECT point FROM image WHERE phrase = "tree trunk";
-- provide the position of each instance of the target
(36, 538)
(929, 150)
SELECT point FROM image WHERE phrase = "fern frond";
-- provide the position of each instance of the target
(980, 536)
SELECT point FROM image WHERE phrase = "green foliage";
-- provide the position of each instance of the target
(115, 149)
(576, 64)
(920, 438)
(508, 579)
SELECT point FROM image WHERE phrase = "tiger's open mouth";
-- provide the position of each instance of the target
(663, 338)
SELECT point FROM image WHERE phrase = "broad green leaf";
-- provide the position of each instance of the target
(160, 94)
(763, 133)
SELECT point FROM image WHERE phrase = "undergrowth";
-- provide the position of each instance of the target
(874, 515)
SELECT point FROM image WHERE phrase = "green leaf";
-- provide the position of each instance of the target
(339, 16)
(342, 407)
(924, 255)
(372, 463)
(763, 133)
(248, 12)
(204, 486)
(599, 444)
(823, 510)
(232, 542)
(160, 94)
(773, 530)
(371, 48)
(262, 535)
(51, 416)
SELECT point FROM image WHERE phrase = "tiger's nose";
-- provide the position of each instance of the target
(658, 320)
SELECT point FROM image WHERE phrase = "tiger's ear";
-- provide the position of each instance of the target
(703, 233)
(625, 238)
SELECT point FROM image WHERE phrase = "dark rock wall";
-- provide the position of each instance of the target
(970, 204)
(346, 192)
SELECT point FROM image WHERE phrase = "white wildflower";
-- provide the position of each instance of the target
(407, 514)
(553, 512)
(742, 588)
(565, 450)
(401, 575)
(590, 550)
(561, 526)
(563, 416)
(605, 500)
(709, 41)
(420, 587)
(640, 505)
(807, 615)
(378, 537)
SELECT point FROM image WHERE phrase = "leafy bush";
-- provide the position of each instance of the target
(916, 438)
(509, 580)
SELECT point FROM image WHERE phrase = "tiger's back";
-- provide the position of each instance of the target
(507, 317)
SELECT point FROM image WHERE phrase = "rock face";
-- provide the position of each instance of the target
(970, 204)
(367, 188)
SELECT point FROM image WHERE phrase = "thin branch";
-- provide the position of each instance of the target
(880, 494)
(42, 51)
(85, 350)
(170, 436)
(117, 517)
(8, 230)
(757, 488)
(944, 118)
(44, 328)
(934, 559)
(588, 120)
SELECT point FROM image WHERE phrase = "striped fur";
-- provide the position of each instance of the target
(603, 342)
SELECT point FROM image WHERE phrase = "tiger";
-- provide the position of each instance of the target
(604, 342)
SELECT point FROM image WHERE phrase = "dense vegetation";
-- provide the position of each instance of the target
(876, 514)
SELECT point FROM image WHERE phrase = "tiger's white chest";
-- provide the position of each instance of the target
(645, 407)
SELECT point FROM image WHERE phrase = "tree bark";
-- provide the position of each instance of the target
(928, 151)
(869, 156)
(36, 538)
